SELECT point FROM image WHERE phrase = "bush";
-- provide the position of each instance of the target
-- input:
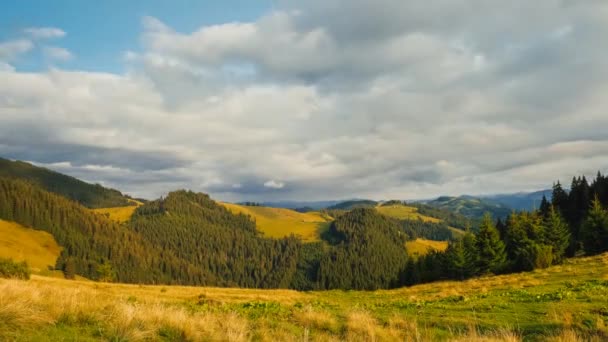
(12, 269)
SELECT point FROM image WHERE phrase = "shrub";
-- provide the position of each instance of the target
(12, 269)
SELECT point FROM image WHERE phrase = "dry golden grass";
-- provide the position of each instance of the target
(119, 214)
(121, 312)
(423, 246)
(280, 222)
(39, 249)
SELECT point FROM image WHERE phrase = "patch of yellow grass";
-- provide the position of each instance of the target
(39, 249)
(423, 246)
(280, 222)
(119, 214)
(403, 212)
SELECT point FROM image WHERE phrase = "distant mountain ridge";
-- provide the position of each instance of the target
(521, 200)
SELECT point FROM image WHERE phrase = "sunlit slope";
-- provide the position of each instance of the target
(36, 247)
(280, 222)
(424, 246)
(119, 214)
(561, 303)
(404, 212)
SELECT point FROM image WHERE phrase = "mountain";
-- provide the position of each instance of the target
(89, 195)
(470, 207)
(522, 200)
(313, 205)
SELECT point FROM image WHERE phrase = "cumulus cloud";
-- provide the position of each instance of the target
(318, 100)
(274, 184)
(44, 32)
(10, 50)
(57, 53)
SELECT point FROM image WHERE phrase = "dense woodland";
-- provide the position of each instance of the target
(89, 195)
(187, 238)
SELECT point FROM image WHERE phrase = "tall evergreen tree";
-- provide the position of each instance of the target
(557, 234)
(545, 207)
(491, 250)
(559, 198)
(594, 231)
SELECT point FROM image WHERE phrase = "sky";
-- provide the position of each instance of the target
(307, 100)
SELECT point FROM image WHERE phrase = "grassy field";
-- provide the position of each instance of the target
(423, 246)
(37, 248)
(119, 214)
(563, 303)
(279, 222)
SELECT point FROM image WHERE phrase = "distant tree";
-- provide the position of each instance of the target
(594, 230)
(105, 272)
(69, 269)
(491, 250)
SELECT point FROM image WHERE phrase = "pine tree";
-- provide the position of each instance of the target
(559, 198)
(545, 207)
(557, 234)
(491, 250)
(594, 231)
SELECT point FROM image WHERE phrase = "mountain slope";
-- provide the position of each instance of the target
(39, 249)
(90, 240)
(226, 247)
(280, 222)
(89, 195)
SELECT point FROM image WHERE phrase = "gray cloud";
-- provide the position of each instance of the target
(318, 100)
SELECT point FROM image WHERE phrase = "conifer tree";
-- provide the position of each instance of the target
(594, 230)
(557, 234)
(491, 250)
(545, 207)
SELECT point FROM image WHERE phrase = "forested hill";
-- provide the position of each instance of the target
(216, 241)
(93, 246)
(89, 195)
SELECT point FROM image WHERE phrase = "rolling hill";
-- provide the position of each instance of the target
(89, 195)
(404, 212)
(280, 222)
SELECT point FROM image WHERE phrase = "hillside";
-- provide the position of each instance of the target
(119, 214)
(90, 241)
(89, 195)
(39, 249)
(404, 212)
(561, 303)
(470, 207)
(280, 222)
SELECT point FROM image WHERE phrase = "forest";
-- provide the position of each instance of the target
(187, 238)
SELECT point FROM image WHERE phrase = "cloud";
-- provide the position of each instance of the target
(323, 100)
(12, 49)
(57, 53)
(274, 184)
(44, 32)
